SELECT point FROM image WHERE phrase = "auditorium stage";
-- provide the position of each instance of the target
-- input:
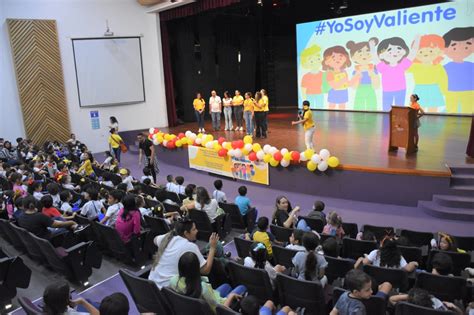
(360, 140)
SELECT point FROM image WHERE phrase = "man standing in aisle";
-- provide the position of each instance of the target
(147, 147)
(215, 109)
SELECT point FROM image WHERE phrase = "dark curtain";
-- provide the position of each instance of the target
(194, 8)
(168, 76)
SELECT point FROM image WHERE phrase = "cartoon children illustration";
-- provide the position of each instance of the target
(459, 45)
(430, 77)
(365, 98)
(393, 58)
(312, 81)
(336, 60)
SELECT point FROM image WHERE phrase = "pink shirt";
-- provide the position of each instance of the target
(126, 228)
(393, 78)
(19, 188)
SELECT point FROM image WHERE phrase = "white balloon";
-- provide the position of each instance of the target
(303, 157)
(198, 140)
(284, 151)
(151, 130)
(266, 148)
(260, 155)
(238, 153)
(209, 145)
(324, 153)
(224, 144)
(316, 159)
(188, 133)
(323, 166)
(155, 142)
(284, 163)
(273, 150)
(192, 136)
(248, 147)
(165, 143)
(230, 152)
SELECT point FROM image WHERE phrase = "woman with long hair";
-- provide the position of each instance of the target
(190, 283)
(388, 256)
(114, 123)
(286, 216)
(205, 203)
(128, 219)
(227, 103)
(57, 301)
(310, 265)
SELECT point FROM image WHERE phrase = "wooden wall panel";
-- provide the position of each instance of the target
(40, 80)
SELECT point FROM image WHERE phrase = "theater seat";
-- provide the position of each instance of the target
(242, 246)
(255, 280)
(417, 238)
(445, 288)
(14, 239)
(30, 245)
(397, 277)
(404, 308)
(282, 234)
(379, 231)
(283, 256)
(158, 226)
(28, 307)
(315, 224)
(300, 293)
(351, 229)
(337, 267)
(460, 260)
(13, 274)
(203, 224)
(232, 209)
(354, 249)
(181, 304)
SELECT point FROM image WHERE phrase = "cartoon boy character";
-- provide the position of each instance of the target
(336, 60)
(393, 58)
(312, 81)
(429, 75)
(459, 45)
(368, 79)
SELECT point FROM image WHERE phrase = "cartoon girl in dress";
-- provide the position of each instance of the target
(335, 61)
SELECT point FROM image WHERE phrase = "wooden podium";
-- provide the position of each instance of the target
(402, 127)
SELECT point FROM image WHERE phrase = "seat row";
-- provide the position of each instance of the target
(13, 274)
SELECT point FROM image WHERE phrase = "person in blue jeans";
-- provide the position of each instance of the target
(243, 202)
(190, 283)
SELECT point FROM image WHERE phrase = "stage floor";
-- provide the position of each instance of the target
(360, 140)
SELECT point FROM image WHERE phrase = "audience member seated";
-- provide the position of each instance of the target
(269, 308)
(114, 198)
(128, 222)
(218, 194)
(205, 203)
(57, 300)
(310, 265)
(259, 259)
(242, 201)
(330, 247)
(93, 207)
(50, 211)
(127, 178)
(36, 189)
(366, 236)
(53, 190)
(446, 242)
(179, 185)
(359, 285)
(114, 304)
(190, 283)
(171, 184)
(86, 166)
(334, 226)
(190, 192)
(286, 216)
(39, 224)
(296, 240)
(442, 265)
(261, 235)
(317, 212)
(173, 245)
(421, 297)
(66, 198)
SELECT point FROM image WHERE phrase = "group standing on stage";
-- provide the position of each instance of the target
(249, 109)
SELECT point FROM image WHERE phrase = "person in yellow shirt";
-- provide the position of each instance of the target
(259, 107)
(308, 124)
(238, 104)
(199, 105)
(115, 140)
(265, 109)
(248, 113)
(86, 167)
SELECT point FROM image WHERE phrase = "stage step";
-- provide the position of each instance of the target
(462, 169)
(436, 210)
(464, 179)
(454, 201)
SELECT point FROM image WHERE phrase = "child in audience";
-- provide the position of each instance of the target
(190, 192)
(442, 264)
(92, 207)
(128, 221)
(108, 160)
(330, 247)
(366, 236)
(296, 240)
(107, 180)
(179, 185)
(141, 206)
(422, 298)
(269, 308)
(86, 166)
(114, 198)
(310, 265)
(190, 283)
(53, 190)
(258, 259)
(103, 196)
(218, 194)
(359, 285)
(126, 178)
(57, 300)
(317, 212)
(170, 185)
(17, 182)
(146, 174)
(66, 182)
(446, 242)
(36, 190)
(114, 304)
(66, 198)
(334, 225)
(242, 201)
(261, 235)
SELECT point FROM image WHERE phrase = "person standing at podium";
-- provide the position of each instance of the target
(419, 112)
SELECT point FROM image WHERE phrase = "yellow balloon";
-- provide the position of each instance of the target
(179, 143)
(308, 154)
(190, 142)
(256, 147)
(248, 139)
(333, 161)
(172, 136)
(217, 146)
(311, 166)
(287, 156)
(199, 135)
(184, 140)
(245, 152)
(267, 157)
(209, 138)
(160, 139)
(274, 162)
(228, 146)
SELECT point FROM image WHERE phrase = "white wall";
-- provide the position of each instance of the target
(86, 18)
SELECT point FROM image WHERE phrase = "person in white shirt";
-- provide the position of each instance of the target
(174, 244)
(227, 103)
(92, 207)
(37, 187)
(204, 203)
(66, 198)
(179, 189)
(115, 196)
(171, 185)
(126, 178)
(215, 110)
(218, 194)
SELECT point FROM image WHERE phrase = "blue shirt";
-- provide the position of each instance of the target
(243, 203)
(460, 76)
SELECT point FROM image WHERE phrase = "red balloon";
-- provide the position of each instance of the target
(235, 144)
(240, 144)
(295, 156)
(252, 156)
(222, 152)
(195, 144)
(278, 156)
(171, 145)
(181, 135)
(220, 140)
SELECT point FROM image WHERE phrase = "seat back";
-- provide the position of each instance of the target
(283, 256)
(114, 242)
(411, 253)
(379, 231)
(172, 196)
(171, 208)
(28, 307)
(12, 235)
(300, 293)
(282, 234)
(56, 262)
(32, 249)
(465, 242)
(158, 226)
(145, 293)
(354, 249)
(351, 229)
(397, 277)
(203, 224)
(314, 223)
(255, 280)
(460, 260)
(18, 275)
(417, 238)
(235, 216)
(405, 308)
(181, 304)
(242, 246)
(445, 288)
(337, 267)
(375, 305)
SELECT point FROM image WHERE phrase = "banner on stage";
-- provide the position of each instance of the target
(207, 160)
(373, 61)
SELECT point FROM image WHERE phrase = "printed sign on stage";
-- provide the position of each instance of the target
(373, 61)
(239, 168)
